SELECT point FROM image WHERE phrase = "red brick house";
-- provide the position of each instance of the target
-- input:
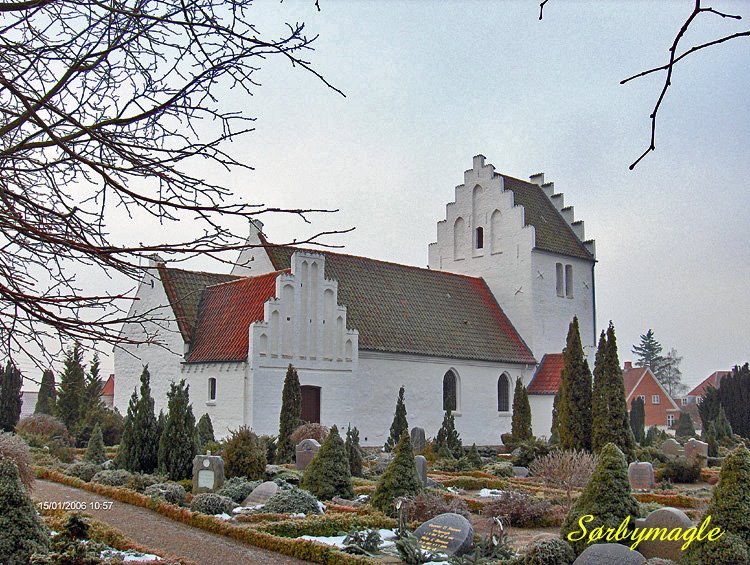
(661, 409)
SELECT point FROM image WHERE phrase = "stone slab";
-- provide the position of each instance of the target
(306, 450)
(520, 471)
(418, 439)
(696, 450)
(609, 554)
(669, 518)
(261, 494)
(421, 464)
(641, 475)
(672, 448)
(450, 533)
(208, 473)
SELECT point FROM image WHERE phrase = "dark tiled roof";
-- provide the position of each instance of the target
(184, 289)
(552, 231)
(226, 312)
(548, 375)
(714, 380)
(403, 309)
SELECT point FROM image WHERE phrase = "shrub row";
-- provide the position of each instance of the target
(474, 483)
(326, 525)
(676, 500)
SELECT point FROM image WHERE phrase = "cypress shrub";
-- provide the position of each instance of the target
(448, 442)
(289, 419)
(685, 427)
(22, 532)
(399, 424)
(722, 426)
(45, 401)
(95, 450)
(473, 459)
(328, 474)
(353, 451)
(638, 419)
(554, 438)
(574, 410)
(10, 397)
(400, 478)
(205, 431)
(178, 443)
(244, 455)
(139, 445)
(71, 394)
(710, 438)
(607, 497)
(520, 426)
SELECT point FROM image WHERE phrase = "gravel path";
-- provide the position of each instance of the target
(157, 532)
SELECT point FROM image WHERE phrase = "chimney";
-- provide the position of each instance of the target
(628, 365)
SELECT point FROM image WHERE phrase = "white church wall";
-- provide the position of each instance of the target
(253, 259)
(227, 409)
(541, 414)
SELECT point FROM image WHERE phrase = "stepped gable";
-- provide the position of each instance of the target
(403, 309)
(548, 376)
(553, 233)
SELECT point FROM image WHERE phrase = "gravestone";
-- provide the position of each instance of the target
(306, 450)
(641, 475)
(696, 450)
(450, 534)
(672, 448)
(609, 554)
(418, 440)
(520, 471)
(261, 494)
(208, 473)
(668, 518)
(421, 464)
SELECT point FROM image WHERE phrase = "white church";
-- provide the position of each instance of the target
(509, 270)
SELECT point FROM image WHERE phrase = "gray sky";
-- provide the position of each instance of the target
(428, 85)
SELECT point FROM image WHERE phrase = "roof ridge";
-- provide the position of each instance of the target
(246, 278)
(164, 265)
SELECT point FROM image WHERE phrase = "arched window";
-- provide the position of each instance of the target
(503, 393)
(450, 391)
(480, 238)
(211, 388)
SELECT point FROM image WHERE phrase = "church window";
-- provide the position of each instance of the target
(559, 279)
(212, 388)
(503, 393)
(480, 238)
(450, 391)
(569, 281)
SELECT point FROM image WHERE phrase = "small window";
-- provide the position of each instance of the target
(503, 394)
(450, 390)
(559, 280)
(212, 388)
(480, 238)
(642, 397)
(655, 399)
(670, 420)
(684, 401)
(569, 281)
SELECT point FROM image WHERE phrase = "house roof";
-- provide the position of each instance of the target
(225, 313)
(109, 387)
(548, 375)
(403, 309)
(553, 233)
(714, 379)
(631, 378)
(184, 289)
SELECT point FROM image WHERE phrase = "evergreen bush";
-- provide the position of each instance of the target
(45, 400)
(290, 416)
(95, 449)
(353, 451)
(178, 444)
(399, 424)
(84, 470)
(111, 423)
(205, 431)
(22, 532)
(574, 402)
(293, 501)
(112, 477)
(12, 447)
(238, 488)
(685, 428)
(679, 470)
(328, 474)
(528, 451)
(244, 455)
(552, 551)
(723, 427)
(607, 497)
(399, 480)
(521, 420)
(171, 492)
(472, 458)
(212, 504)
(139, 482)
(447, 441)
(710, 438)
(638, 419)
(70, 406)
(10, 397)
(139, 444)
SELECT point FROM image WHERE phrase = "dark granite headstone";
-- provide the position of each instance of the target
(609, 554)
(208, 473)
(450, 534)
(261, 494)
(421, 464)
(641, 475)
(418, 440)
(306, 450)
(669, 518)
(520, 471)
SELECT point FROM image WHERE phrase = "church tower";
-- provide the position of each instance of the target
(525, 243)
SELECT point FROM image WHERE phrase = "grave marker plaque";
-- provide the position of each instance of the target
(306, 450)
(450, 534)
(208, 473)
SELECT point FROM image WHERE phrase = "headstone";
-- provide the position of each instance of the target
(672, 448)
(306, 450)
(641, 475)
(696, 450)
(418, 440)
(521, 471)
(668, 518)
(208, 473)
(346, 502)
(421, 464)
(609, 554)
(261, 494)
(450, 534)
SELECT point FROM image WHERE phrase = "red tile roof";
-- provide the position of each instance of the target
(630, 378)
(548, 375)
(714, 379)
(225, 313)
(109, 387)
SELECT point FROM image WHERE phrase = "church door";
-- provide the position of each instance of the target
(310, 404)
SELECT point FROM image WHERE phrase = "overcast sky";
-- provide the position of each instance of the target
(429, 85)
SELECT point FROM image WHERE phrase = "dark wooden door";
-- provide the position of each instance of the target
(311, 404)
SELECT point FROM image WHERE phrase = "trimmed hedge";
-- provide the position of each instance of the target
(327, 525)
(676, 500)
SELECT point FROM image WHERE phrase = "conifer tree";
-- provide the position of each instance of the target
(290, 417)
(95, 452)
(638, 420)
(685, 428)
(400, 478)
(448, 441)
(353, 451)
(574, 410)
(161, 422)
(520, 425)
(554, 431)
(473, 458)
(178, 444)
(45, 401)
(205, 431)
(94, 384)
(708, 406)
(648, 352)
(722, 425)
(139, 444)
(710, 438)
(10, 397)
(328, 474)
(399, 425)
(71, 394)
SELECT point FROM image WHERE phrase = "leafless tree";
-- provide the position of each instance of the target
(566, 470)
(675, 56)
(113, 104)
